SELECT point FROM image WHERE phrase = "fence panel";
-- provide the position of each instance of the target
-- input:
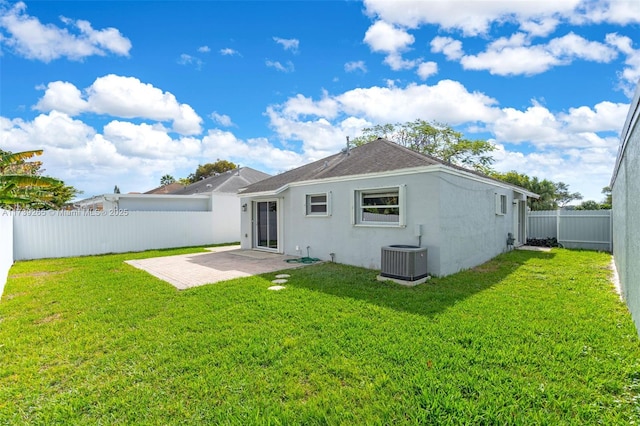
(6, 246)
(543, 224)
(79, 233)
(584, 229)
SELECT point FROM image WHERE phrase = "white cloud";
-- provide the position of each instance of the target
(300, 106)
(355, 66)
(291, 44)
(125, 97)
(427, 69)
(94, 162)
(472, 18)
(222, 119)
(439, 102)
(576, 129)
(149, 142)
(621, 12)
(384, 37)
(573, 46)
(28, 37)
(604, 116)
(204, 49)
(288, 67)
(257, 152)
(630, 75)
(186, 59)
(452, 49)
(227, 51)
(539, 27)
(64, 97)
(515, 56)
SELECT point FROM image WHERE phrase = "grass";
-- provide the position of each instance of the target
(528, 338)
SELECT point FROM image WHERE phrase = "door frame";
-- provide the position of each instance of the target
(254, 225)
(519, 217)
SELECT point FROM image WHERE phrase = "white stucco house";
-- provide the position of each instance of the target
(217, 194)
(347, 206)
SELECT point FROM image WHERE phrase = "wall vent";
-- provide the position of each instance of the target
(404, 262)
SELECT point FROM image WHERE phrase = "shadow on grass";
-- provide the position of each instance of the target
(431, 298)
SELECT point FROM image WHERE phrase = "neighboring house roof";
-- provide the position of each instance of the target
(377, 156)
(166, 189)
(227, 182)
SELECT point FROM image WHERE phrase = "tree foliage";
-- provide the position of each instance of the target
(564, 196)
(22, 185)
(210, 169)
(167, 180)
(435, 139)
(552, 195)
(594, 205)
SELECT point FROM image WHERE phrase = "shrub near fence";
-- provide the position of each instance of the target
(581, 229)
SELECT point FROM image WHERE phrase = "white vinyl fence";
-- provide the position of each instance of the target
(581, 229)
(44, 234)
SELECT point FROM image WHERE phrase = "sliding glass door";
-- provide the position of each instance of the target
(266, 223)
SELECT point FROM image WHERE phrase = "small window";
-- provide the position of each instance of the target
(317, 205)
(378, 207)
(501, 204)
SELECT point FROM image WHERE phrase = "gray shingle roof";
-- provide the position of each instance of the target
(377, 156)
(227, 182)
(166, 189)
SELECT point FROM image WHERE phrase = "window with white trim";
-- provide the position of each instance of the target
(382, 206)
(501, 204)
(317, 204)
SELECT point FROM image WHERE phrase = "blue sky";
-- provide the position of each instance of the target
(122, 93)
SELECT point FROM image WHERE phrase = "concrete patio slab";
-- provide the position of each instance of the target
(221, 264)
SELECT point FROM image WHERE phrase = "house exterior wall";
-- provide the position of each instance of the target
(471, 231)
(626, 208)
(457, 215)
(226, 217)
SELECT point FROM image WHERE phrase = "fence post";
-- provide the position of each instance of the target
(558, 225)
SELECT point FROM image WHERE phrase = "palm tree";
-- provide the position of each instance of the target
(19, 185)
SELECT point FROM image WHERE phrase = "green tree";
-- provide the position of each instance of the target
(209, 169)
(435, 139)
(589, 205)
(552, 195)
(167, 180)
(564, 196)
(608, 198)
(116, 190)
(21, 184)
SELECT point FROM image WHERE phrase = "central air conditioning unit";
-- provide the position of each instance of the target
(404, 262)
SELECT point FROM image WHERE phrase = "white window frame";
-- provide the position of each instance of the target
(308, 203)
(357, 206)
(501, 204)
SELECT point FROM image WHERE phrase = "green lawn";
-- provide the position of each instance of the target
(528, 338)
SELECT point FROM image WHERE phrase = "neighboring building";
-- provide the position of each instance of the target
(166, 189)
(148, 202)
(216, 194)
(625, 186)
(228, 182)
(349, 205)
